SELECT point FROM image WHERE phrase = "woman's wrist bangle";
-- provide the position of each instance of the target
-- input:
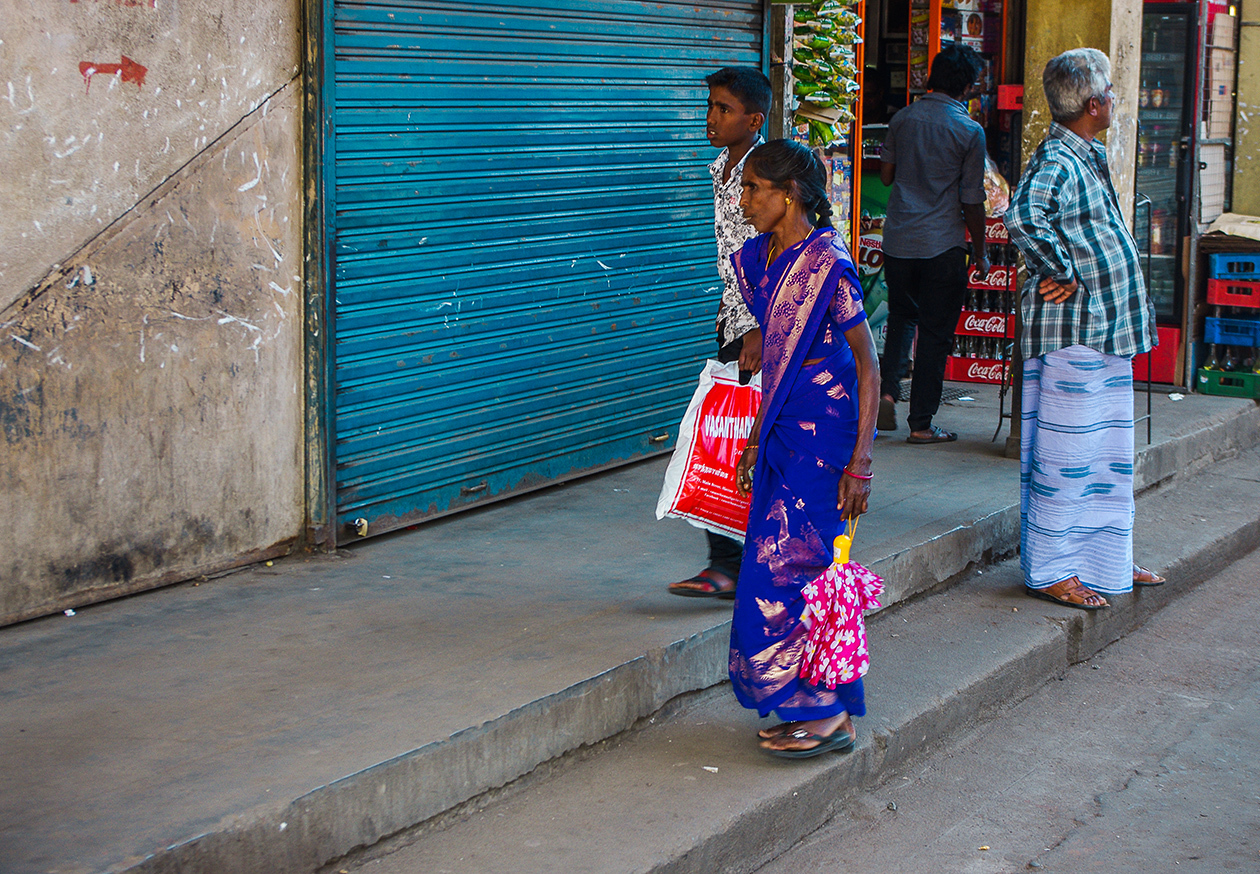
(750, 445)
(858, 475)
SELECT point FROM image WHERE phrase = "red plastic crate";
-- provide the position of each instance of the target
(975, 370)
(979, 324)
(1164, 362)
(1000, 278)
(994, 230)
(1233, 293)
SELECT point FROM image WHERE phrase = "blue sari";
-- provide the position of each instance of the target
(804, 302)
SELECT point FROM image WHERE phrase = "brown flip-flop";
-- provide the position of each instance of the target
(1069, 593)
(1144, 577)
(936, 434)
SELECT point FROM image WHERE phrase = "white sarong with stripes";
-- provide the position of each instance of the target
(1076, 470)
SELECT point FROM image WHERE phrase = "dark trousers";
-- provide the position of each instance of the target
(725, 554)
(930, 291)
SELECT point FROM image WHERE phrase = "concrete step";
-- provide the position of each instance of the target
(691, 792)
(285, 716)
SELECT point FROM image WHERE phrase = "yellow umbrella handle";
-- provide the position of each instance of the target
(844, 541)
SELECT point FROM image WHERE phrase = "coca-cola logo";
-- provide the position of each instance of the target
(995, 324)
(990, 372)
(996, 231)
(997, 277)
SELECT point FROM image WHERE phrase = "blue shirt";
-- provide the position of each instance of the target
(938, 150)
(1066, 220)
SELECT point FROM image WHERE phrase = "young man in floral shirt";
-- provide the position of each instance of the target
(739, 99)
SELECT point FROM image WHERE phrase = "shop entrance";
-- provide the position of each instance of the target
(522, 267)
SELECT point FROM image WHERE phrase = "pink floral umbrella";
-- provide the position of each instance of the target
(835, 651)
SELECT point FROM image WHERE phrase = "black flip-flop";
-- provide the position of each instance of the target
(938, 435)
(705, 576)
(839, 741)
(887, 420)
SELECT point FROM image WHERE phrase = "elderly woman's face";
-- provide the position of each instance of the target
(764, 205)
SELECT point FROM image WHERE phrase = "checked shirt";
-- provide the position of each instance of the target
(1067, 222)
(733, 318)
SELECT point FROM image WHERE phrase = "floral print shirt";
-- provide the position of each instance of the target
(733, 318)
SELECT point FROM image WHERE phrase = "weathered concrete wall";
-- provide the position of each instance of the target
(1247, 124)
(101, 100)
(1115, 27)
(151, 372)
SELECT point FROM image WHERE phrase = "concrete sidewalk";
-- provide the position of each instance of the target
(280, 717)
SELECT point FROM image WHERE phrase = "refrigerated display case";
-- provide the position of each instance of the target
(1166, 117)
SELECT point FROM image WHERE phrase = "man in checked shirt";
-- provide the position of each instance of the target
(1085, 315)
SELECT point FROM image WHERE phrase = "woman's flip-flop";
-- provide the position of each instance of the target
(717, 585)
(1145, 577)
(783, 728)
(840, 741)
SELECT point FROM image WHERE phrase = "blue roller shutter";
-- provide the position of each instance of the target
(523, 256)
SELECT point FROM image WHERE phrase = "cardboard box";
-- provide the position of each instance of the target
(1220, 119)
(1224, 33)
(1221, 74)
(1211, 181)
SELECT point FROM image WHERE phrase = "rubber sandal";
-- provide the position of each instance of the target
(887, 420)
(711, 578)
(777, 730)
(1144, 577)
(838, 742)
(938, 435)
(1066, 589)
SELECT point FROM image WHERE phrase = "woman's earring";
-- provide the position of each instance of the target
(787, 200)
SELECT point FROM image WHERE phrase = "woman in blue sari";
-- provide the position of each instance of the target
(808, 459)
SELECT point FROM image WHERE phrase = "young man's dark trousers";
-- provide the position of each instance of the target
(931, 291)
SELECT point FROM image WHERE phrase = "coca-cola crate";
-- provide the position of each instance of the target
(981, 324)
(1234, 265)
(1231, 332)
(994, 230)
(1000, 278)
(988, 370)
(1233, 293)
(1229, 384)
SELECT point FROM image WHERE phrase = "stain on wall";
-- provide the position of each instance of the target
(1055, 26)
(151, 387)
(1246, 199)
(102, 100)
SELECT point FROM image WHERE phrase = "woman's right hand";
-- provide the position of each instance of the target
(744, 469)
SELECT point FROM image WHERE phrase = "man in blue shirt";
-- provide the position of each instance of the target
(1085, 313)
(933, 158)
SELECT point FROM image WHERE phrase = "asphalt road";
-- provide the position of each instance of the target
(1146, 758)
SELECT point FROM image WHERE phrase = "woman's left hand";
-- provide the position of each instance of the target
(853, 496)
(744, 469)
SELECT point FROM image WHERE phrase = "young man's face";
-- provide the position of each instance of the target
(727, 123)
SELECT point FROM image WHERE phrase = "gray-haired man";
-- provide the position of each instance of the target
(1085, 315)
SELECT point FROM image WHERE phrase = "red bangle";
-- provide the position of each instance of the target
(858, 475)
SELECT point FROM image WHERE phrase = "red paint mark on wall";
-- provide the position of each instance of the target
(152, 4)
(129, 70)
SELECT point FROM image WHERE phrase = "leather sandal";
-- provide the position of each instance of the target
(1145, 577)
(1069, 593)
(715, 585)
(936, 434)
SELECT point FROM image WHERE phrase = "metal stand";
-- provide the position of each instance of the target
(1142, 201)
